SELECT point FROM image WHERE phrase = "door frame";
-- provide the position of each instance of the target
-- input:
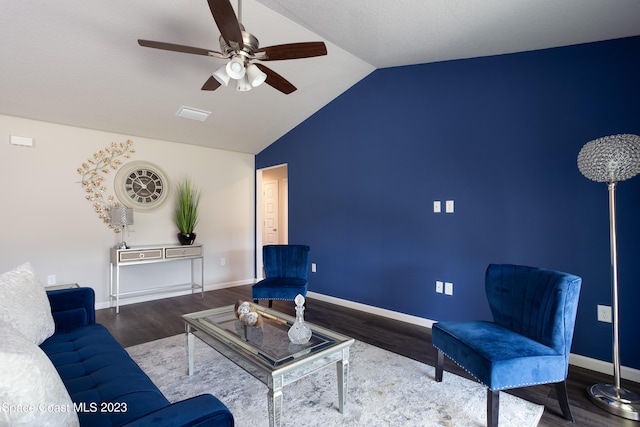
(259, 217)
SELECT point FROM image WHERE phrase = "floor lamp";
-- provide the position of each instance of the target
(612, 159)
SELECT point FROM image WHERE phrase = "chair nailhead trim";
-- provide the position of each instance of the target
(501, 388)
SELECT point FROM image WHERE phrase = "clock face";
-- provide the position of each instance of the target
(141, 186)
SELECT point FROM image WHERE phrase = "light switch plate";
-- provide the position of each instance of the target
(448, 288)
(437, 206)
(449, 206)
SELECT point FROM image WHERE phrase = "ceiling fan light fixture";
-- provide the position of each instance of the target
(243, 85)
(221, 76)
(235, 68)
(239, 48)
(255, 75)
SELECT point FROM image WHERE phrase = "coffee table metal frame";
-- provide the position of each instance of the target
(325, 348)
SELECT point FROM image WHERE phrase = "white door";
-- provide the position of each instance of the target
(270, 224)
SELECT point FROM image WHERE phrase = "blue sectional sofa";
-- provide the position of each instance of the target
(104, 383)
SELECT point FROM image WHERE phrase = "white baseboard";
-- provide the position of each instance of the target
(216, 286)
(626, 373)
(574, 359)
(420, 321)
(151, 296)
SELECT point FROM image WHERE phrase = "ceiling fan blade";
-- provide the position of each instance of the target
(227, 22)
(293, 51)
(276, 81)
(211, 84)
(180, 48)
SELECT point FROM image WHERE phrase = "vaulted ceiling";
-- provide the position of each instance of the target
(77, 62)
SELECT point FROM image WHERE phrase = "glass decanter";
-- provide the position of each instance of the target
(299, 333)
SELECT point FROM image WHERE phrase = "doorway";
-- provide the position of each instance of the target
(272, 210)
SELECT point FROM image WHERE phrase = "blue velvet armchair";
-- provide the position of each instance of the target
(529, 340)
(285, 268)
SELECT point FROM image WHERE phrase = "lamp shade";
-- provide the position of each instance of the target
(611, 158)
(221, 75)
(243, 85)
(121, 216)
(235, 68)
(255, 75)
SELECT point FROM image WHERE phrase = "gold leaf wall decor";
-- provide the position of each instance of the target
(104, 161)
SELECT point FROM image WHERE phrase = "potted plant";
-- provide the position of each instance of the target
(188, 201)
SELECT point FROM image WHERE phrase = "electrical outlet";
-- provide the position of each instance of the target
(437, 206)
(439, 286)
(223, 262)
(51, 279)
(313, 267)
(448, 288)
(604, 313)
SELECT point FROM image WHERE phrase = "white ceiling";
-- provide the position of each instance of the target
(77, 62)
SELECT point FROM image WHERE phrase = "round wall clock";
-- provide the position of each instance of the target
(141, 185)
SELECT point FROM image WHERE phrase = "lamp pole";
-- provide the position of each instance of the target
(614, 280)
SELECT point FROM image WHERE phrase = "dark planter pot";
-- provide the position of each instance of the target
(186, 238)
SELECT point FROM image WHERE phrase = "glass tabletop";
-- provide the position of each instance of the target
(269, 342)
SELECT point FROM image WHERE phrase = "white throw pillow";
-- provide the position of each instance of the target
(31, 391)
(24, 304)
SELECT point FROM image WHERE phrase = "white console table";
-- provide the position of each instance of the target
(149, 255)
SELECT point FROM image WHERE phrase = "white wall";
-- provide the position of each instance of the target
(47, 221)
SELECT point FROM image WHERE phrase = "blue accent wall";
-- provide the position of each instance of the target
(498, 135)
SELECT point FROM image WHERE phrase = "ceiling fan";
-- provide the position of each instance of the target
(241, 48)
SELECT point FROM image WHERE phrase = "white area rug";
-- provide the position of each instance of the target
(385, 389)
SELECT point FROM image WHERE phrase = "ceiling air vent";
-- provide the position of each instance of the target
(193, 113)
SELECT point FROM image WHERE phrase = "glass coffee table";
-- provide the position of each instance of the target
(266, 352)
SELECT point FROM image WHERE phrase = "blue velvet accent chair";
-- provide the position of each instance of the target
(529, 340)
(286, 268)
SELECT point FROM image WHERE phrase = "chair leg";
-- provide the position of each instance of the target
(493, 406)
(440, 366)
(563, 399)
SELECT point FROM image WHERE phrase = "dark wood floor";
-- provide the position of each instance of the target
(148, 321)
